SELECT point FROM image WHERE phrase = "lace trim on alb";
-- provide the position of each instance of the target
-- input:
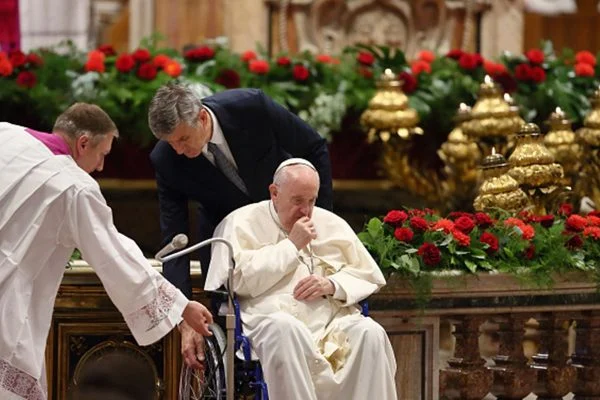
(153, 313)
(20, 383)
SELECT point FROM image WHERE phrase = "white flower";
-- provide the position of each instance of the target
(326, 112)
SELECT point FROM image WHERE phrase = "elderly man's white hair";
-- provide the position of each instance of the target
(289, 162)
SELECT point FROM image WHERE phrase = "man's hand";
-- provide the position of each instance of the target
(192, 346)
(312, 287)
(302, 232)
(198, 317)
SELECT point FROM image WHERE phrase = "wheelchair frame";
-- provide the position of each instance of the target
(235, 338)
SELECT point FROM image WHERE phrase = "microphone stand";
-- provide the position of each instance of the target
(230, 317)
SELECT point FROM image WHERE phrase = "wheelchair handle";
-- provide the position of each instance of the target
(196, 247)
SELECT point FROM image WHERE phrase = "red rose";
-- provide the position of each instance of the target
(324, 58)
(523, 72)
(395, 217)
(419, 224)
(107, 49)
(574, 243)
(26, 79)
(507, 82)
(461, 238)
(147, 71)
(248, 56)
(259, 67)
(594, 213)
(535, 56)
(493, 69)
(530, 252)
(585, 57)
(468, 61)
(366, 72)
(430, 253)
(202, 53)
(94, 65)
(457, 214)
(161, 60)
(300, 73)
(483, 220)
(420, 66)
(125, 63)
(582, 69)
(409, 83)
(141, 55)
(17, 58)
(228, 78)
(284, 61)
(528, 231)
(593, 232)
(575, 223)
(455, 54)
(545, 220)
(444, 225)
(6, 68)
(593, 220)
(173, 69)
(96, 56)
(34, 60)
(491, 240)
(404, 234)
(464, 224)
(538, 74)
(365, 58)
(426, 55)
(565, 209)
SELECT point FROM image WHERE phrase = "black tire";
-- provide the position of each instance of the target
(210, 383)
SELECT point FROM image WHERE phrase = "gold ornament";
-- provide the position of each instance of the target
(562, 143)
(493, 118)
(533, 167)
(391, 121)
(461, 157)
(499, 189)
(589, 136)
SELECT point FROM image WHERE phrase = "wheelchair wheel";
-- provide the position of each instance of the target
(210, 383)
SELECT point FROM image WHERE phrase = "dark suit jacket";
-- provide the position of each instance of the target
(260, 134)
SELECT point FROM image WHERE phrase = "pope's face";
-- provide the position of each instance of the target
(295, 197)
(89, 153)
(190, 140)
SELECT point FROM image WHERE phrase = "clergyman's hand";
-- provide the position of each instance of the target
(192, 346)
(302, 232)
(312, 287)
(198, 317)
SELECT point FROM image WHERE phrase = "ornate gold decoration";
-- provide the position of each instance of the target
(562, 143)
(461, 157)
(499, 189)
(533, 166)
(589, 136)
(391, 121)
(493, 118)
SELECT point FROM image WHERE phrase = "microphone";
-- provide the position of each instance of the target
(179, 241)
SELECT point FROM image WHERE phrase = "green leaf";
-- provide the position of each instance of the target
(471, 266)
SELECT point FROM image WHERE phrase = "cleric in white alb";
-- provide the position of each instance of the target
(49, 206)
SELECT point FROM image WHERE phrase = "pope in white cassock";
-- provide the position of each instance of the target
(300, 273)
(49, 206)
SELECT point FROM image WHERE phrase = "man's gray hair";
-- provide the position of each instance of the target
(281, 175)
(173, 104)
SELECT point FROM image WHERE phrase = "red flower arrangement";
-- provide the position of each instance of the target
(20, 66)
(527, 245)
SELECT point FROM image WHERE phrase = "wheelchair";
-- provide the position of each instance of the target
(230, 370)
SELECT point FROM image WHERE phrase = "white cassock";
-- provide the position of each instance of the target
(320, 349)
(48, 207)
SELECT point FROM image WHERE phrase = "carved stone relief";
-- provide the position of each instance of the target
(330, 25)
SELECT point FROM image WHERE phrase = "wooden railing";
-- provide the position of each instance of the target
(488, 335)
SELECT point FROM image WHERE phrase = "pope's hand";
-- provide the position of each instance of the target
(312, 287)
(302, 232)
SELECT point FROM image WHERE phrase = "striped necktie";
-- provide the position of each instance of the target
(226, 167)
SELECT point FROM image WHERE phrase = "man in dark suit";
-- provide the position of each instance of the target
(221, 152)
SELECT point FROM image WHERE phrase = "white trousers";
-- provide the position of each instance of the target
(294, 369)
